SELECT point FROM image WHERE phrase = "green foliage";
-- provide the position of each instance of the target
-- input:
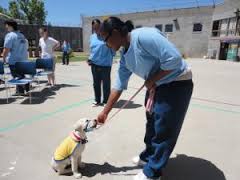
(33, 11)
(14, 10)
(3, 10)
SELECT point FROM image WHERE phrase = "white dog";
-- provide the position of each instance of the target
(69, 152)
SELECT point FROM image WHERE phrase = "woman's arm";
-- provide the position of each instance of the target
(151, 82)
(56, 45)
(113, 98)
(5, 53)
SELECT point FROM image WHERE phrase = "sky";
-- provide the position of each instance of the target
(68, 12)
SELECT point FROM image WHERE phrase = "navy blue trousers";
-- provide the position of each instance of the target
(164, 124)
(101, 78)
(65, 55)
(19, 88)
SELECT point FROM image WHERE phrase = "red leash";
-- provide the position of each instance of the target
(127, 102)
(149, 105)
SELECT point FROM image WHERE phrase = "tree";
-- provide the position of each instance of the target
(34, 11)
(14, 10)
(3, 10)
(31, 10)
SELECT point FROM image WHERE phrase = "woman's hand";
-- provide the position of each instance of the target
(150, 84)
(114, 96)
(89, 62)
(102, 118)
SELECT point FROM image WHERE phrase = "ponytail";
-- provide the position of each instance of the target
(129, 25)
(115, 23)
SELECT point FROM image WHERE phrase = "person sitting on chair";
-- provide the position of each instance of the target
(15, 50)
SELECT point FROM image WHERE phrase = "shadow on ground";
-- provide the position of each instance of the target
(131, 104)
(10, 100)
(39, 97)
(92, 169)
(191, 168)
(181, 167)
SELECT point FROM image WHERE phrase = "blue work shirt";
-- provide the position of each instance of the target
(66, 47)
(18, 45)
(100, 54)
(148, 53)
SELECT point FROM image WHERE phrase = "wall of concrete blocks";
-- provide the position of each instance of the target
(191, 44)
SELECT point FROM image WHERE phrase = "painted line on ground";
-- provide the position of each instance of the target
(43, 116)
(144, 91)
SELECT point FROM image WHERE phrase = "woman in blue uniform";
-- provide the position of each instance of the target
(100, 59)
(148, 54)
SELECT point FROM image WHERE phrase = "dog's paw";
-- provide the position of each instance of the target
(77, 175)
(82, 165)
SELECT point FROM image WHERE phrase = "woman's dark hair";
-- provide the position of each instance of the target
(115, 23)
(44, 29)
(96, 21)
(12, 23)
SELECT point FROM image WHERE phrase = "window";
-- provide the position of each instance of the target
(159, 26)
(238, 28)
(138, 26)
(176, 23)
(232, 26)
(224, 27)
(168, 28)
(197, 27)
(216, 29)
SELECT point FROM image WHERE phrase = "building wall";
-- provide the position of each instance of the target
(223, 11)
(191, 44)
(226, 10)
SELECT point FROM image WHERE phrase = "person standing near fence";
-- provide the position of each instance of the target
(66, 48)
(100, 59)
(48, 45)
(15, 50)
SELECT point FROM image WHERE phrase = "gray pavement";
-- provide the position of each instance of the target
(207, 149)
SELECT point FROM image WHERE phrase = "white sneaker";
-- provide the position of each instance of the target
(141, 176)
(138, 162)
(95, 104)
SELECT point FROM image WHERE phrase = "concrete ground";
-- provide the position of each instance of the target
(208, 147)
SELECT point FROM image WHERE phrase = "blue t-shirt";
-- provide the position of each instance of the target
(66, 47)
(148, 53)
(18, 45)
(100, 54)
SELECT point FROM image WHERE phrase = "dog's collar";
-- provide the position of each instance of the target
(79, 139)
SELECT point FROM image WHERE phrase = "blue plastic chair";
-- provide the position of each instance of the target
(1, 68)
(24, 68)
(44, 67)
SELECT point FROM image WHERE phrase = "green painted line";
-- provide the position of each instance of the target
(43, 116)
(214, 108)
